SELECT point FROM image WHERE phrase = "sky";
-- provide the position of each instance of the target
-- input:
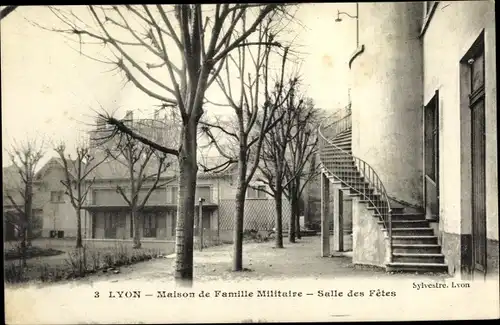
(50, 91)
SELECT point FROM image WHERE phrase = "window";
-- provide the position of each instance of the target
(57, 196)
(172, 194)
(149, 225)
(256, 192)
(203, 192)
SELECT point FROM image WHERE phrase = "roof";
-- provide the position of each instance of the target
(58, 162)
(10, 177)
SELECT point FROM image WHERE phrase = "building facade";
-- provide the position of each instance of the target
(423, 137)
(107, 214)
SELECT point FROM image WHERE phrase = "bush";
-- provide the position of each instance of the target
(256, 236)
(79, 263)
(33, 251)
(14, 273)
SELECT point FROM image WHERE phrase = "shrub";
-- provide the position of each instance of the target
(14, 273)
(77, 260)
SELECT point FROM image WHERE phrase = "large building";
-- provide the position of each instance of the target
(418, 154)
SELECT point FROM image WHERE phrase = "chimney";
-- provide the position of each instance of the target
(129, 116)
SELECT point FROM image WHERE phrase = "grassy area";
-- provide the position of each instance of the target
(31, 252)
(71, 263)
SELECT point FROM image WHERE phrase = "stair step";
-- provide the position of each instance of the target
(412, 231)
(416, 267)
(418, 258)
(408, 214)
(399, 217)
(416, 248)
(414, 239)
(344, 139)
(407, 223)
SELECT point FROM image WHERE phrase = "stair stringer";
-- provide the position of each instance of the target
(371, 244)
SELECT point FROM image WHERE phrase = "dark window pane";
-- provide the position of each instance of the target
(478, 73)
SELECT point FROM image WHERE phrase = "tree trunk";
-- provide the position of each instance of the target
(240, 213)
(278, 200)
(307, 205)
(136, 217)
(23, 242)
(79, 228)
(28, 211)
(297, 217)
(291, 231)
(188, 169)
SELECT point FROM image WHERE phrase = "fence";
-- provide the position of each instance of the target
(260, 214)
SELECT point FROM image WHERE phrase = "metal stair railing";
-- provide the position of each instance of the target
(353, 172)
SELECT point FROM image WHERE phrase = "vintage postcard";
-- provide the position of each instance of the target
(250, 162)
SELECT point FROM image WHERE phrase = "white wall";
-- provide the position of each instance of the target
(387, 96)
(452, 30)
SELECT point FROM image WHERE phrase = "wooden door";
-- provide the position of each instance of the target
(431, 153)
(109, 225)
(149, 225)
(478, 155)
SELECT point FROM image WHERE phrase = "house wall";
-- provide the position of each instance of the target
(221, 189)
(387, 96)
(59, 216)
(442, 72)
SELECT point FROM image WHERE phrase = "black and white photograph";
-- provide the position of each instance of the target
(249, 162)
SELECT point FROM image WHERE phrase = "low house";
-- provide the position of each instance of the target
(108, 215)
(59, 216)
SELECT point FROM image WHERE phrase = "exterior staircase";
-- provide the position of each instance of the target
(413, 245)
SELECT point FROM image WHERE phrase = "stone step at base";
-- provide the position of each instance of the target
(412, 231)
(414, 239)
(417, 267)
(418, 258)
(416, 248)
(396, 223)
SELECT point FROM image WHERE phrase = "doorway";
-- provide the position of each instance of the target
(431, 158)
(476, 63)
(109, 225)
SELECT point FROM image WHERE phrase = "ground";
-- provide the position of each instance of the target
(57, 266)
(262, 260)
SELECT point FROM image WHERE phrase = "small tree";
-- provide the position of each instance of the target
(76, 182)
(302, 147)
(25, 158)
(138, 157)
(273, 163)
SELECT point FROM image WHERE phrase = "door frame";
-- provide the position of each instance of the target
(434, 102)
(475, 97)
(471, 97)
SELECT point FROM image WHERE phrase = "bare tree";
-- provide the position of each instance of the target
(76, 179)
(25, 158)
(273, 166)
(137, 157)
(255, 102)
(199, 37)
(302, 147)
